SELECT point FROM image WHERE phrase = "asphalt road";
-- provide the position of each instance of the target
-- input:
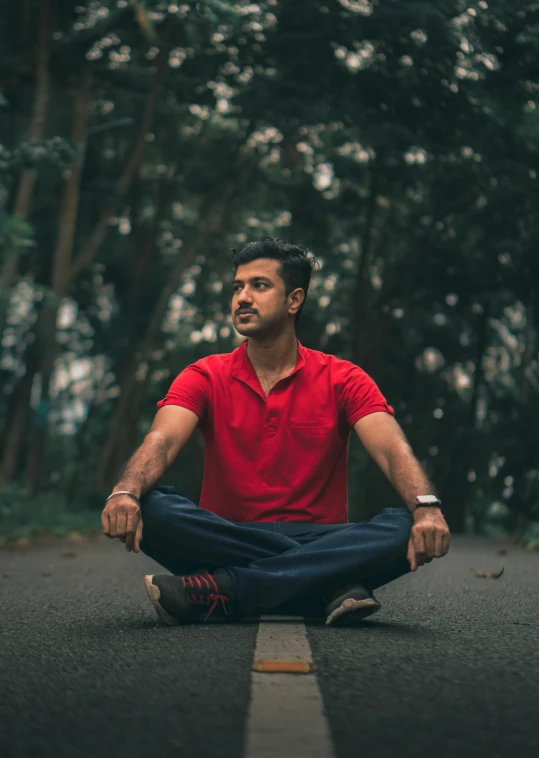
(449, 667)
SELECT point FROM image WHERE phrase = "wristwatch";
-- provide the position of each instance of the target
(427, 501)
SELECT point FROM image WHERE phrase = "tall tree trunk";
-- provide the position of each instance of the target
(212, 218)
(359, 346)
(88, 252)
(101, 230)
(63, 270)
(47, 345)
(18, 417)
(79, 479)
(128, 406)
(529, 341)
(36, 132)
(18, 424)
(479, 373)
(462, 494)
(519, 495)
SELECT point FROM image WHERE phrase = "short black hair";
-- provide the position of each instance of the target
(296, 263)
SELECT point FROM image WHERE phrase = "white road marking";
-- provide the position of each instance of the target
(286, 715)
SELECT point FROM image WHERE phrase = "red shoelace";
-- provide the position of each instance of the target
(205, 581)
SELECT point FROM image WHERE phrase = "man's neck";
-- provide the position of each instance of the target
(274, 355)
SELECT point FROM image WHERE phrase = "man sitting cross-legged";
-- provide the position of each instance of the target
(272, 528)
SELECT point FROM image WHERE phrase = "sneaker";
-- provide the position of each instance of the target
(182, 599)
(351, 604)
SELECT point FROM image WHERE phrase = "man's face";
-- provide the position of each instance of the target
(259, 293)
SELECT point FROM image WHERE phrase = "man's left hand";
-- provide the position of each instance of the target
(429, 538)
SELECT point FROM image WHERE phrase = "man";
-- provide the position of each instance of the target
(276, 417)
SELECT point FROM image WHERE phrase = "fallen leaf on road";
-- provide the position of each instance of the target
(69, 554)
(283, 667)
(502, 551)
(489, 576)
(76, 537)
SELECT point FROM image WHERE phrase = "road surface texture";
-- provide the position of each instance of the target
(449, 667)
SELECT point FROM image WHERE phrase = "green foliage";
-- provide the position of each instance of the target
(48, 515)
(15, 233)
(397, 140)
(531, 535)
(219, 11)
(56, 152)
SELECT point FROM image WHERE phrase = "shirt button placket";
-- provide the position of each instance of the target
(271, 422)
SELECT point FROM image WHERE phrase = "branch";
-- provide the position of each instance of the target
(214, 210)
(479, 373)
(36, 131)
(101, 229)
(410, 264)
(144, 242)
(111, 125)
(366, 249)
(70, 202)
(95, 32)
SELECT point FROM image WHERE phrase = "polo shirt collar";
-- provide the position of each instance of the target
(242, 368)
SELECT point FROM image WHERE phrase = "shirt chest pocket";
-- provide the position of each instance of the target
(310, 428)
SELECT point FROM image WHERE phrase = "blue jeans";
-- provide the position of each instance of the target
(281, 566)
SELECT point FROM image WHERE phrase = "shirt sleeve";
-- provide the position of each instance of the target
(360, 396)
(190, 390)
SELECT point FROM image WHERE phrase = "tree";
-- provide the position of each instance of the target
(397, 141)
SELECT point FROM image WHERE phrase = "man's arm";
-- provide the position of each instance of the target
(170, 432)
(385, 442)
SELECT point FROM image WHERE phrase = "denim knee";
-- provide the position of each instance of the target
(159, 504)
(401, 522)
(152, 501)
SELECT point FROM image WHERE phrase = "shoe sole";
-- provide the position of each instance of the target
(359, 608)
(154, 595)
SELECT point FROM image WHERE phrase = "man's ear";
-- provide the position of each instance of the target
(297, 297)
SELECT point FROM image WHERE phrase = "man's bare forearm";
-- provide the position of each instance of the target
(407, 475)
(145, 467)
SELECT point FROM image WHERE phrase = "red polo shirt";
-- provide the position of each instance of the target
(284, 458)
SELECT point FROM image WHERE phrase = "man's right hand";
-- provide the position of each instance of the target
(121, 518)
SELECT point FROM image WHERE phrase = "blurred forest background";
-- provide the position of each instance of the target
(141, 141)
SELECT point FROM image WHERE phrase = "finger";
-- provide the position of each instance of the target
(419, 541)
(446, 542)
(132, 523)
(138, 537)
(438, 545)
(411, 556)
(113, 518)
(429, 535)
(105, 523)
(121, 524)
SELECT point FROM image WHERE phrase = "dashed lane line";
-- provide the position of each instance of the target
(286, 717)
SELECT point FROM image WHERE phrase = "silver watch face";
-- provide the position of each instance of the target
(427, 500)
